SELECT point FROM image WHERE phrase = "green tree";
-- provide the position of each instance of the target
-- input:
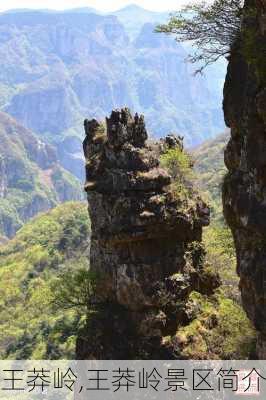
(74, 289)
(179, 165)
(210, 28)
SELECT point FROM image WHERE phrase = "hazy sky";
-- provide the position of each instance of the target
(106, 5)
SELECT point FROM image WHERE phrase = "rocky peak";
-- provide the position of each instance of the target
(145, 248)
(244, 189)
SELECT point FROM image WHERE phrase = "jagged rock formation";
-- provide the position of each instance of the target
(244, 189)
(145, 247)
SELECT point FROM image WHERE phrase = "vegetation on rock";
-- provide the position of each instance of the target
(219, 328)
(179, 165)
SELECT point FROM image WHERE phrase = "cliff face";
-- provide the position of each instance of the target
(145, 247)
(244, 189)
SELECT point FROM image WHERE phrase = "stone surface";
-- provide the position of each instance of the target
(145, 247)
(244, 189)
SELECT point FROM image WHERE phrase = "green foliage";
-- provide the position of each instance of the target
(221, 257)
(220, 331)
(42, 252)
(217, 238)
(220, 328)
(74, 290)
(179, 165)
(211, 28)
(210, 171)
(9, 218)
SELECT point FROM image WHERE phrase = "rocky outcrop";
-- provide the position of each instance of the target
(145, 247)
(244, 189)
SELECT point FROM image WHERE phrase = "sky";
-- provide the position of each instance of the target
(104, 5)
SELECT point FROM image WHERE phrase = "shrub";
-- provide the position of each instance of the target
(179, 165)
(221, 330)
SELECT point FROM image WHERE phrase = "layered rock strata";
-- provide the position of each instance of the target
(145, 246)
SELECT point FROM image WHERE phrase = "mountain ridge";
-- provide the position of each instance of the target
(71, 66)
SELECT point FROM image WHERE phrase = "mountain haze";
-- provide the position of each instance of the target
(130, 14)
(59, 67)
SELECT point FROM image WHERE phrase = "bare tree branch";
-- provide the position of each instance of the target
(210, 28)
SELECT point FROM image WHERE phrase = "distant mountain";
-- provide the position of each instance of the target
(58, 68)
(127, 15)
(31, 179)
(134, 17)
